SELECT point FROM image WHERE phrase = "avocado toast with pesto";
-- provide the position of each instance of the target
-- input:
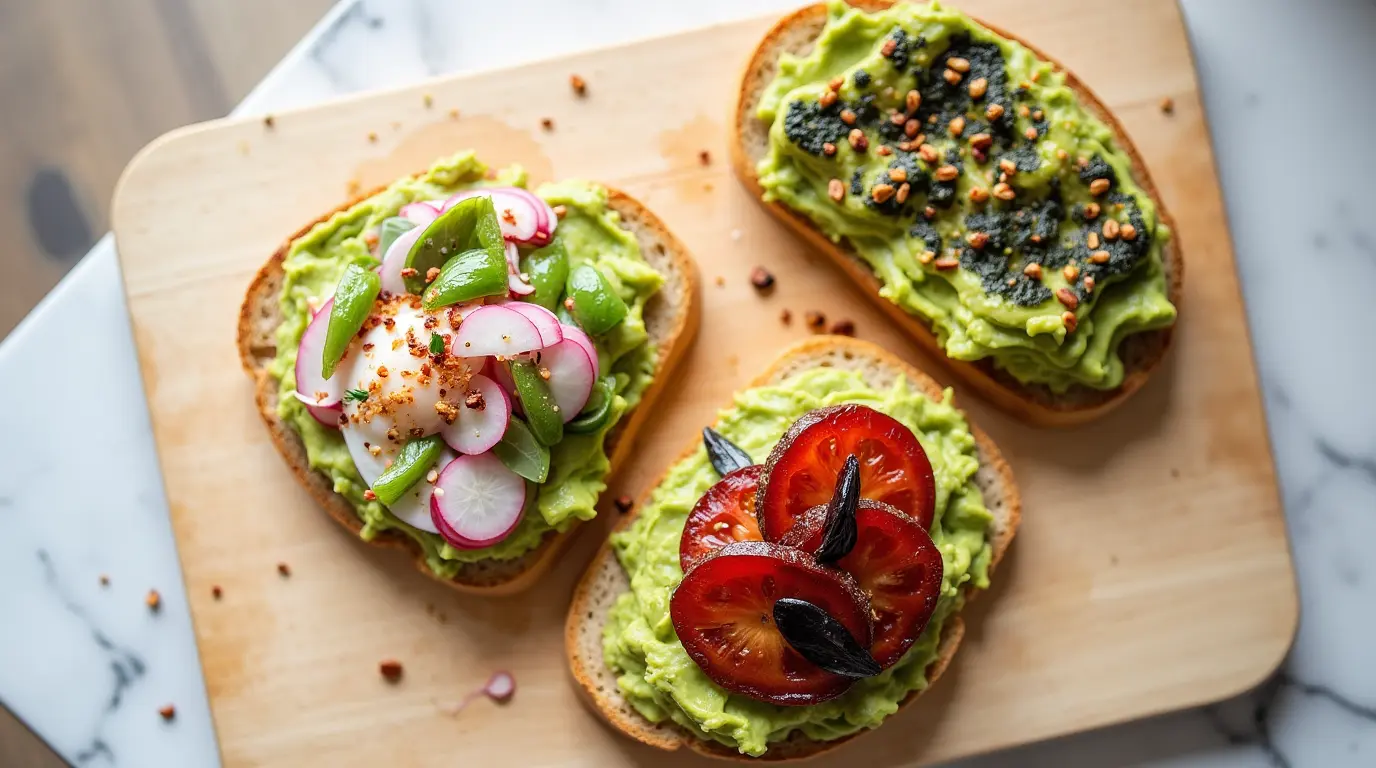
(589, 304)
(979, 192)
(635, 632)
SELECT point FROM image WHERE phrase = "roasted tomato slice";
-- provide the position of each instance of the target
(724, 515)
(897, 565)
(802, 469)
(723, 612)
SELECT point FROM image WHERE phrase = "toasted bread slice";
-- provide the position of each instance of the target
(1034, 403)
(605, 579)
(671, 317)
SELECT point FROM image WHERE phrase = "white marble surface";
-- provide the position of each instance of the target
(88, 666)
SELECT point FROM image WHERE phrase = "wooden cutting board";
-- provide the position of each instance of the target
(1152, 571)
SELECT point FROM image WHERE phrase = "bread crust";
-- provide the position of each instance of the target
(585, 611)
(675, 318)
(1034, 403)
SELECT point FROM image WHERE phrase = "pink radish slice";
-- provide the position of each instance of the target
(545, 221)
(395, 260)
(420, 214)
(313, 388)
(517, 213)
(477, 501)
(492, 329)
(575, 334)
(477, 430)
(500, 687)
(325, 414)
(571, 376)
(544, 320)
(515, 284)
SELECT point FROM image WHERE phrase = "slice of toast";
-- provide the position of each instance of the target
(605, 579)
(671, 317)
(1034, 403)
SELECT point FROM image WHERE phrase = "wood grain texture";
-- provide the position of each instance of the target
(1151, 571)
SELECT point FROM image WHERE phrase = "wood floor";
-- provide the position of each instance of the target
(85, 84)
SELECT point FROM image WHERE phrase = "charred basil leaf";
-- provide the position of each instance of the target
(840, 531)
(726, 456)
(822, 640)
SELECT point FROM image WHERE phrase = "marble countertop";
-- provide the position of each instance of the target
(87, 665)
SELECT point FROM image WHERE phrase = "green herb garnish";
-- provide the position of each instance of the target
(436, 344)
(356, 395)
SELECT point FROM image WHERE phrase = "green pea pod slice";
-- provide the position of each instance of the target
(390, 230)
(412, 462)
(470, 275)
(470, 224)
(542, 413)
(596, 306)
(548, 270)
(598, 411)
(353, 301)
(522, 453)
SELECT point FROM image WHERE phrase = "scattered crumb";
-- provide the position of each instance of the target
(578, 84)
(735, 235)
(104, 580)
(843, 327)
(216, 592)
(786, 316)
(1168, 105)
(761, 279)
(705, 157)
(354, 187)
(624, 504)
(454, 114)
(547, 123)
(560, 211)
(372, 136)
(815, 320)
(720, 281)
(167, 711)
(284, 569)
(153, 601)
(428, 100)
(269, 121)
(390, 669)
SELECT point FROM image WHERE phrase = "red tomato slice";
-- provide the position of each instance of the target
(723, 612)
(802, 469)
(724, 515)
(897, 565)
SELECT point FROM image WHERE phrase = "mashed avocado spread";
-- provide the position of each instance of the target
(657, 676)
(967, 175)
(591, 233)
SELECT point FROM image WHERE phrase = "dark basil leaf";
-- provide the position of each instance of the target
(822, 640)
(726, 456)
(840, 531)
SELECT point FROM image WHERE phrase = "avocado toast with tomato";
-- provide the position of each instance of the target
(771, 601)
(980, 193)
(453, 365)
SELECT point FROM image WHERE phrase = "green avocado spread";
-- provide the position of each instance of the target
(656, 675)
(987, 199)
(591, 233)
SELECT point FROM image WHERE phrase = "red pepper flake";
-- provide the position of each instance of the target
(368, 495)
(815, 320)
(761, 279)
(104, 580)
(547, 123)
(786, 316)
(624, 504)
(216, 592)
(409, 272)
(153, 601)
(705, 157)
(578, 84)
(843, 327)
(284, 569)
(168, 712)
(390, 669)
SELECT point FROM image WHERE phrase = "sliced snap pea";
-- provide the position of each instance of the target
(353, 301)
(548, 270)
(469, 275)
(470, 224)
(390, 230)
(522, 453)
(541, 411)
(598, 411)
(596, 306)
(412, 462)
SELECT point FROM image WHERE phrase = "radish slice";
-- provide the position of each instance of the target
(476, 430)
(395, 260)
(522, 216)
(311, 385)
(420, 214)
(571, 376)
(477, 501)
(545, 221)
(514, 282)
(576, 335)
(500, 687)
(413, 508)
(325, 414)
(544, 320)
(493, 329)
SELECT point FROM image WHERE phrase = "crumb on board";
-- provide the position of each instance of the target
(815, 320)
(786, 316)
(269, 121)
(578, 84)
(104, 580)
(390, 669)
(216, 592)
(705, 157)
(153, 600)
(454, 114)
(720, 281)
(283, 569)
(547, 123)
(761, 279)
(624, 504)
(843, 327)
(1168, 105)
(372, 137)
(428, 100)
(167, 711)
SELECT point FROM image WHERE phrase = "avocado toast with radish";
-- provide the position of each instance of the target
(454, 364)
(798, 575)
